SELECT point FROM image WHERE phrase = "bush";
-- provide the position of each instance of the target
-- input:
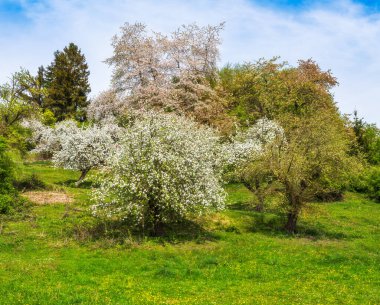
(6, 169)
(9, 198)
(10, 203)
(166, 168)
(32, 182)
(372, 179)
(6, 203)
(369, 183)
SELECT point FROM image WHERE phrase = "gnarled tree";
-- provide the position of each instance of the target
(312, 160)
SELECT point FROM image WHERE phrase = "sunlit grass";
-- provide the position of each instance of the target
(237, 256)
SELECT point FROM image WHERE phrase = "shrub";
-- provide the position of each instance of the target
(373, 182)
(32, 182)
(369, 183)
(166, 168)
(8, 195)
(6, 169)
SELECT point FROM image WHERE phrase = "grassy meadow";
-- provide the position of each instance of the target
(56, 253)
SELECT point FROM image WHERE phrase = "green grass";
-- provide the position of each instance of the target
(49, 256)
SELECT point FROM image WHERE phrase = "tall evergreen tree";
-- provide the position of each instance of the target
(67, 84)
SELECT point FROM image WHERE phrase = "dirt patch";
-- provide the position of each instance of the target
(48, 197)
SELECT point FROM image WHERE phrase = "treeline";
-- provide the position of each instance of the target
(278, 123)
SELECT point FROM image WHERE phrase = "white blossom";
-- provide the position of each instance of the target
(77, 148)
(165, 167)
(106, 104)
(154, 71)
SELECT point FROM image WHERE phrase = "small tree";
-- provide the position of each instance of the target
(312, 160)
(74, 147)
(165, 168)
(13, 106)
(252, 171)
(259, 179)
(16, 105)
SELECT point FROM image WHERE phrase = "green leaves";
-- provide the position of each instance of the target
(67, 84)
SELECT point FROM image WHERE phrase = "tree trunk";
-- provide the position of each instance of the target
(82, 176)
(295, 204)
(158, 228)
(157, 224)
(291, 224)
(260, 205)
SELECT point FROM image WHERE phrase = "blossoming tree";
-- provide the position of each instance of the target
(74, 147)
(174, 73)
(165, 167)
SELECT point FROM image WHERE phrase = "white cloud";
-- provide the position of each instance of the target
(341, 37)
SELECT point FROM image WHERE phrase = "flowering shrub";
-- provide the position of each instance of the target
(74, 147)
(165, 168)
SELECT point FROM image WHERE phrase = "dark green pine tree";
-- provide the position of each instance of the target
(67, 84)
(40, 84)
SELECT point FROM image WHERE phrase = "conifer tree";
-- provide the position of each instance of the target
(67, 84)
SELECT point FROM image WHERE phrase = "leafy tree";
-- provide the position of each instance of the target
(311, 159)
(32, 88)
(67, 84)
(272, 89)
(15, 106)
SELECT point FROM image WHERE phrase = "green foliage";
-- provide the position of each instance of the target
(260, 180)
(67, 84)
(373, 184)
(272, 89)
(16, 104)
(12, 107)
(6, 169)
(368, 182)
(48, 117)
(312, 160)
(32, 182)
(367, 140)
(8, 196)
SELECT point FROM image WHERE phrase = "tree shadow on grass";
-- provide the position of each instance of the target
(121, 233)
(72, 183)
(241, 206)
(273, 224)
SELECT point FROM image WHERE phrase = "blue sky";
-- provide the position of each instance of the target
(342, 35)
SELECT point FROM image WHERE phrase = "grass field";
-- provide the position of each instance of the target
(56, 254)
